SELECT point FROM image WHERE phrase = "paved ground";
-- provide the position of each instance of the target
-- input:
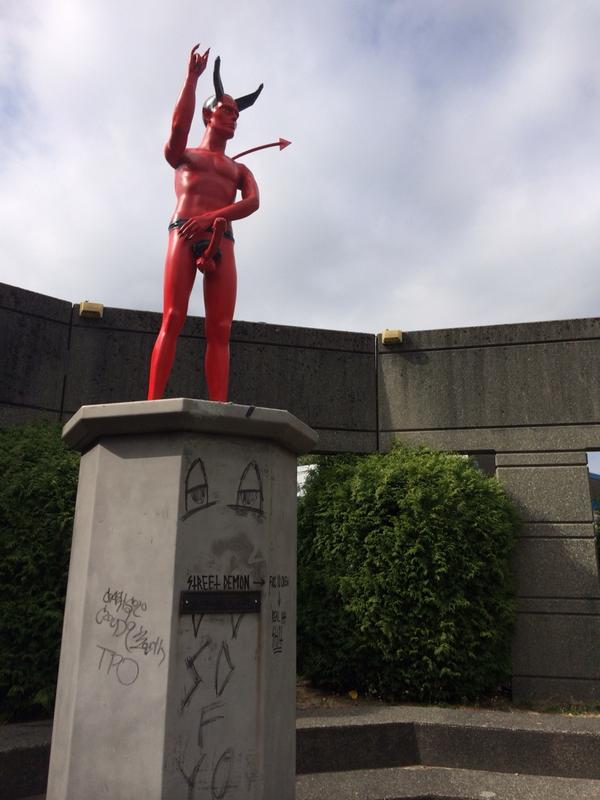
(369, 751)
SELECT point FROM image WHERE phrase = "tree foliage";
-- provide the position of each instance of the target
(405, 590)
(37, 501)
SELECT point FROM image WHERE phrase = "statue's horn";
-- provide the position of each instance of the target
(248, 99)
(219, 91)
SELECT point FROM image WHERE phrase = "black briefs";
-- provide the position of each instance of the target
(180, 221)
(199, 247)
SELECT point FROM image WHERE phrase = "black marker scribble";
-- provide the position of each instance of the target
(235, 625)
(192, 777)
(196, 622)
(126, 669)
(251, 771)
(206, 720)
(220, 783)
(196, 489)
(134, 635)
(250, 496)
(221, 683)
(190, 663)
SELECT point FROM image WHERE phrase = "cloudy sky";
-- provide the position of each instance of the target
(445, 166)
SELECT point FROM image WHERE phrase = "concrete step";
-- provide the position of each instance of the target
(378, 737)
(439, 783)
(24, 754)
(374, 751)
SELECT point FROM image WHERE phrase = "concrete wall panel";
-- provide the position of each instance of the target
(559, 459)
(106, 364)
(542, 438)
(556, 567)
(39, 305)
(557, 646)
(22, 415)
(560, 530)
(555, 572)
(584, 606)
(561, 691)
(34, 336)
(507, 375)
(331, 388)
(549, 494)
(326, 378)
(494, 335)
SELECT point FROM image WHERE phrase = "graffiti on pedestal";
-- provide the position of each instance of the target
(216, 769)
(250, 495)
(196, 490)
(278, 584)
(122, 616)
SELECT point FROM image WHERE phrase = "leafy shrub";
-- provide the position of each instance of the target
(404, 588)
(37, 500)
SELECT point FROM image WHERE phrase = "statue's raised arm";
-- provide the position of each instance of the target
(185, 107)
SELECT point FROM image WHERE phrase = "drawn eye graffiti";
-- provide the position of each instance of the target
(250, 495)
(196, 489)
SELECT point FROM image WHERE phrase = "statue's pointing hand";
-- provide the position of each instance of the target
(198, 62)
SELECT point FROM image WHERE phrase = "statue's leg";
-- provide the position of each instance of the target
(220, 289)
(180, 271)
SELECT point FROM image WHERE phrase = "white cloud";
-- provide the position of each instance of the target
(444, 167)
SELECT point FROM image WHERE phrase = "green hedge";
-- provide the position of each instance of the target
(404, 587)
(37, 500)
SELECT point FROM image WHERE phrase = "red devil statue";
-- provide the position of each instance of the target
(200, 232)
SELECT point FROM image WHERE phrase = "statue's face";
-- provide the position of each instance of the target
(224, 116)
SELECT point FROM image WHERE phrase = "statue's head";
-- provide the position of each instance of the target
(222, 110)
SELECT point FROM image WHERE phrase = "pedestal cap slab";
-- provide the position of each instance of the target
(91, 423)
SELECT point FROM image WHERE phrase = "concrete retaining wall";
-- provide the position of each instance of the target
(531, 394)
(525, 398)
(56, 361)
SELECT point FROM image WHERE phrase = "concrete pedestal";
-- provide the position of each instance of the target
(177, 670)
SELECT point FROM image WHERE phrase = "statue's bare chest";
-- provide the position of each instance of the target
(213, 165)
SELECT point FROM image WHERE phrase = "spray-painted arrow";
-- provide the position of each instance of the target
(280, 144)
